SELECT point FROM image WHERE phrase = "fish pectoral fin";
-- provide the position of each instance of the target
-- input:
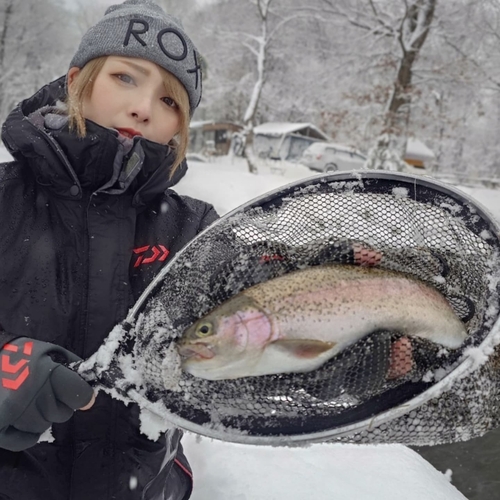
(303, 348)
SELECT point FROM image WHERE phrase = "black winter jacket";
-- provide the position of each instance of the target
(85, 225)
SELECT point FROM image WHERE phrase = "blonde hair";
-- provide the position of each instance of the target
(83, 85)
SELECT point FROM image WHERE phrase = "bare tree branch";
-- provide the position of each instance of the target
(478, 66)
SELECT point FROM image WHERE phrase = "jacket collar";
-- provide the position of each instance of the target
(36, 133)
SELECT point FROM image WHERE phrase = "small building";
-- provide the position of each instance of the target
(211, 137)
(417, 154)
(285, 141)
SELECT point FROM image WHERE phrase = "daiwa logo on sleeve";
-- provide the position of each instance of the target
(18, 368)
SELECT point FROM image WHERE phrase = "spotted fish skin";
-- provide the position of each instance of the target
(297, 322)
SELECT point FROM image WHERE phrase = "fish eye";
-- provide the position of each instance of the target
(204, 329)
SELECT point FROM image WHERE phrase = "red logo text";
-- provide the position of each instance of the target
(149, 254)
(19, 368)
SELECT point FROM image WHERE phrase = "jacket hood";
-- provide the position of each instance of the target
(36, 132)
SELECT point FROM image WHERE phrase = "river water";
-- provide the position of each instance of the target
(475, 465)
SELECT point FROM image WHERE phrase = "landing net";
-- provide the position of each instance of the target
(396, 222)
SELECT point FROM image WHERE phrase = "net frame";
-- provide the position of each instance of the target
(419, 189)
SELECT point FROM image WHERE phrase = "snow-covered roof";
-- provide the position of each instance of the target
(283, 128)
(417, 150)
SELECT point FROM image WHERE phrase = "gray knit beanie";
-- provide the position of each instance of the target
(140, 28)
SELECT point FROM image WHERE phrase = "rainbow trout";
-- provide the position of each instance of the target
(297, 322)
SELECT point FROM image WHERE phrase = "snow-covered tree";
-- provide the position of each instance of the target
(359, 68)
(398, 30)
(259, 30)
(35, 46)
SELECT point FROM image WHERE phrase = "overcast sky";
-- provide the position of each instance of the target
(105, 3)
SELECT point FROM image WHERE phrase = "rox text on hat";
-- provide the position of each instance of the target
(140, 28)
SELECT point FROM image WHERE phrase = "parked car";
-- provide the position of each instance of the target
(330, 157)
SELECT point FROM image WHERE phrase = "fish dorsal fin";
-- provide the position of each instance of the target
(303, 348)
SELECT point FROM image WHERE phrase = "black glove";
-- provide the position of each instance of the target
(36, 390)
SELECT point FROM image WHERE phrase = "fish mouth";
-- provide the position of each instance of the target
(199, 351)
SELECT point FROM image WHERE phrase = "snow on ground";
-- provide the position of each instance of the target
(227, 183)
(489, 198)
(226, 471)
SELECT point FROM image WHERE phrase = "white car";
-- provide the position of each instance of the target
(330, 157)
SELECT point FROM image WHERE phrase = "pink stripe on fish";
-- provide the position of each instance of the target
(366, 256)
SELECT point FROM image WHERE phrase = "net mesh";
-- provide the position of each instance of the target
(392, 224)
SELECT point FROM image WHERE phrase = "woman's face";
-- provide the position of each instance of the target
(129, 96)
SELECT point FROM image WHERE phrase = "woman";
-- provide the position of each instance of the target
(88, 221)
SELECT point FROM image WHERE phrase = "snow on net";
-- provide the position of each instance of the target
(392, 223)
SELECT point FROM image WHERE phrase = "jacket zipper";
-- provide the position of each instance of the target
(86, 280)
(79, 341)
